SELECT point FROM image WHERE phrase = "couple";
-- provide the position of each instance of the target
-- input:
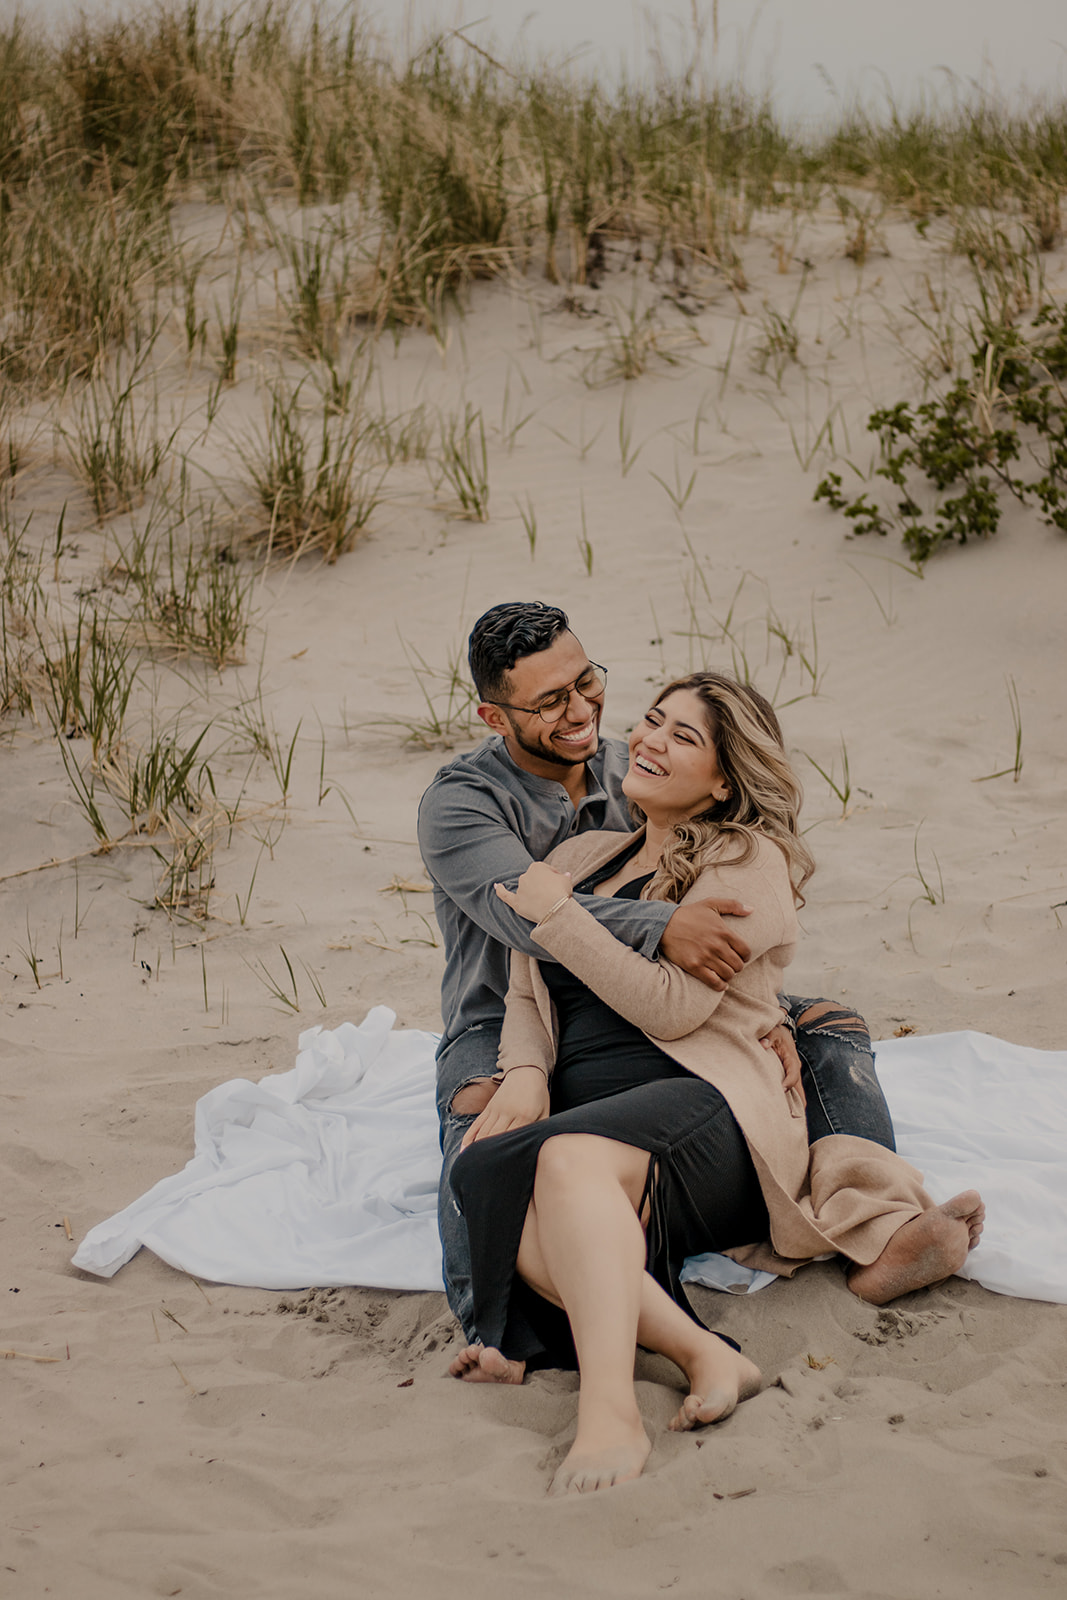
(610, 1110)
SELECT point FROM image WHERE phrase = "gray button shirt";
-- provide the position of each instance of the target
(482, 821)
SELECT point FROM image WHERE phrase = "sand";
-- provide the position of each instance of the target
(203, 1440)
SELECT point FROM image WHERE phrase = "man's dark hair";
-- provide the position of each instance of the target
(505, 633)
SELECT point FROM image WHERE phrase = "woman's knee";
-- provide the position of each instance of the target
(567, 1155)
(580, 1157)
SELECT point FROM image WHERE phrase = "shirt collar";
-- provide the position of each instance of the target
(551, 786)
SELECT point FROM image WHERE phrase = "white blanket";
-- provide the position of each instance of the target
(328, 1174)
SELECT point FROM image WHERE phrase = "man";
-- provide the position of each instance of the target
(543, 774)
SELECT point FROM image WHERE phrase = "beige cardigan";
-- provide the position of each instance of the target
(841, 1194)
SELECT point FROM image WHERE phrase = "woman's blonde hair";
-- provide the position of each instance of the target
(763, 794)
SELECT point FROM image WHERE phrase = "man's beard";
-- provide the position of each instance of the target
(546, 753)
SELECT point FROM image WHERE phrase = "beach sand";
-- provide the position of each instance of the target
(172, 1438)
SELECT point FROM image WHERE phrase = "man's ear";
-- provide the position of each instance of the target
(493, 717)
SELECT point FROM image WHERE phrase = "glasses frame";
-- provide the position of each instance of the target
(572, 688)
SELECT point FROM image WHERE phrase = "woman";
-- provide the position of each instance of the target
(669, 1132)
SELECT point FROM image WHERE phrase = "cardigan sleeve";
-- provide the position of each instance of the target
(658, 997)
(524, 1039)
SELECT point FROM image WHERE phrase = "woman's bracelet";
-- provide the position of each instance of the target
(498, 1077)
(562, 901)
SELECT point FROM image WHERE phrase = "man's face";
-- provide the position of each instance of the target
(536, 745)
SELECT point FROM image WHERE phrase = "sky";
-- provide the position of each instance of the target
(813, 54)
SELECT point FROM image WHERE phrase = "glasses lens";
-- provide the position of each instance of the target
(590, 686)
(552, 710)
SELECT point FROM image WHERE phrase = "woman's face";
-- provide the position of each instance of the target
(674, 770)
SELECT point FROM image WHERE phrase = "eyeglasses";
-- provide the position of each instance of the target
(590, 686)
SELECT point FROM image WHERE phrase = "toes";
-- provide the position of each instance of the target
(964, 1207)
(464, 1361)
(693, 1409)
(479, 1364)
(587, 1480)
(685, 1417)
(579, 1483)
(697, 1410)
(600, 1469)
(716, 1406)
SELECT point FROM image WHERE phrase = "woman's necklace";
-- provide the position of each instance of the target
(648, 857)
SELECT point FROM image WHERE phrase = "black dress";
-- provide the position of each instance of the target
(610, 1080)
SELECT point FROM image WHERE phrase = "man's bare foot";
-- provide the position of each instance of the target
(606, 1451)
(928, 1249)
(719, 1378)
(479, 1363)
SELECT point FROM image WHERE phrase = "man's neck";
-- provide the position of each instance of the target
(574, 779)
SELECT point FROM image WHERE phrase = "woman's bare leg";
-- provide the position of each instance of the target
(583, 1247)
(719, 1376)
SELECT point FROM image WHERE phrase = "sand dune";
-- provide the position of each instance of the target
(210, 1441)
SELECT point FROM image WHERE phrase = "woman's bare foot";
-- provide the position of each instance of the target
(479, 1363)
(928, 1249)
(607, 1449)
(719, 1379)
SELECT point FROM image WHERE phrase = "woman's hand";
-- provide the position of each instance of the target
(781, 1042)
(522, 1098)
(537, 891)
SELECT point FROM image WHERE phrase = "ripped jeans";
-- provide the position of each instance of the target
(837, 1072)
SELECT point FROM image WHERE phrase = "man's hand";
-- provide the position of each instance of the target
(697, 940)
(781, 1041)
(522, 1098)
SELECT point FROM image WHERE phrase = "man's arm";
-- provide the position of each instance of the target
(468, 844)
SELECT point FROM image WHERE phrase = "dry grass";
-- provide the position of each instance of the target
(369, 190)
(458, 167)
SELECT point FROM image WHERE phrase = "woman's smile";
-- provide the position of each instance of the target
(646, 764)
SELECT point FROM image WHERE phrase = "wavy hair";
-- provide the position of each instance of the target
(504, 634)
(763, 793)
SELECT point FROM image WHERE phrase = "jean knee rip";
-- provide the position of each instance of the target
(837, 1023)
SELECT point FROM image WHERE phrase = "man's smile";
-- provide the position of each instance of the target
(580, 735)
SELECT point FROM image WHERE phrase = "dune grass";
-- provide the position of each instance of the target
(369, 189)
(461, 167)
